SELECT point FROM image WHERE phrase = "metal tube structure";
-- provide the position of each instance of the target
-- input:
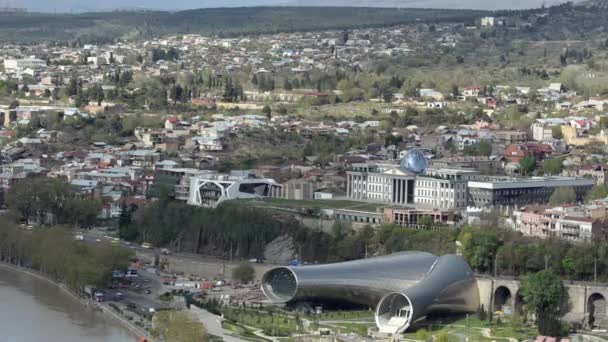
(403, 287)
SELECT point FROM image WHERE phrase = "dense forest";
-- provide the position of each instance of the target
(108, 26)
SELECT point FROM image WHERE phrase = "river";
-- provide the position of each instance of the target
(32, 310)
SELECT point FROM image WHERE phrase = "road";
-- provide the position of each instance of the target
(187, 263)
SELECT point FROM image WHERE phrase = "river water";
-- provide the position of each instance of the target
(33, 310)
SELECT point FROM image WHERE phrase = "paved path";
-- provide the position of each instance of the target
(213, 324)
(486, 332)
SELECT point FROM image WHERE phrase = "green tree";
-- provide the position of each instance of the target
(267, 111)
(563, 195)
(243, 273)
(126, 229)
(597, 192)
(426, 221)
(43, 198)
(557, 132)
(527, 164)
(422, 334)
(578, 262)
(485, 148)
(442, 336)
(542, 292)
(479, 247)
(553, 166)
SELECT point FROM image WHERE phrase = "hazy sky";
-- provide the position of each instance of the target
(97, 5)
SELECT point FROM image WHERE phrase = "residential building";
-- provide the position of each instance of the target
(487, 21)
(597, 171)
(568, 223)
(16, 65)
(541, 132)
(516, 152)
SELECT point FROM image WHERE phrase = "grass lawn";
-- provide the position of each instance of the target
(314, 204)
(346, 315)
(356, 328)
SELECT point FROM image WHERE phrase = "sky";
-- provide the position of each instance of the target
(100, 5)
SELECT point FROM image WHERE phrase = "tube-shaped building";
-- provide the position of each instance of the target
(403, 287)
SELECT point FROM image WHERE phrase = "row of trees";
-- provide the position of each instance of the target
(56, 254)
(51, 201)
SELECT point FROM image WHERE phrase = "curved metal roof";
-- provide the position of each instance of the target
(420, 281)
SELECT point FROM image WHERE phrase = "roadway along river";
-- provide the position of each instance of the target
(33, 310)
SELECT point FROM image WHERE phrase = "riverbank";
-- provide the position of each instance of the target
(104, 308)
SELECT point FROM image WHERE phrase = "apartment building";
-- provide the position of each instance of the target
(569, 223)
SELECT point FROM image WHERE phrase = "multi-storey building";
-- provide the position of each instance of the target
(380, 183)
(15, 65)
(181, 179)
(597, 171)
(541, 132)
(507, 194)
(568, 223)
(443, 188)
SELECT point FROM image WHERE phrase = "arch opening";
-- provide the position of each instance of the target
(503, 300)
(394, 313)
(280, 284)
(596, 308)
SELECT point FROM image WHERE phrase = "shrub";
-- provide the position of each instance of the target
(422, 334)
(243, 273)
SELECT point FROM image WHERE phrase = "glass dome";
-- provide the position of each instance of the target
(414, 161)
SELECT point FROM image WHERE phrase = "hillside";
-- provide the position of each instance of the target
(104, 26)
(77, 6)
(596, 3)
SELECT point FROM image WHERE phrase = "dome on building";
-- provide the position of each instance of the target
(414, 161)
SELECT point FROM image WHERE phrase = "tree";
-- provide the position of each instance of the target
(126, 229)
(557, 132)
(442, 337)
(542, 292)
(268, 111)
(563, 195)
(553, 166)
(41, 198)
(485, 148)
(426, 221)
(527, 164)
(243, 273)
(481, 313)
(422, 334)
(597, 192)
